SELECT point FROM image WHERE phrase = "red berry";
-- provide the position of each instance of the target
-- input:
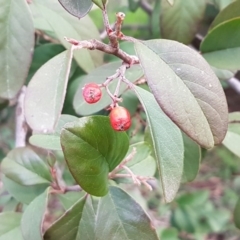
(92, 93)
(120, 119)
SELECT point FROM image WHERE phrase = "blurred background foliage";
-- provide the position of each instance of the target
(204, 208)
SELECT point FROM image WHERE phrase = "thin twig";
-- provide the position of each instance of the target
(95, 44)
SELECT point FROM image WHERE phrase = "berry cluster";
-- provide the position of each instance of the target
(120, 118)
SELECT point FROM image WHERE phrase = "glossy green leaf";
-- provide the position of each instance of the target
(16, 44)
(180, 21)
(24, 166)
(92, 149)
(63, 28)
(52, 141)
(231, 11)
(221, 46)
(116, 216)
(100, 3)
(142, 164)
(186, 88)
(78, 8)
(10, 226)
(98, 76)
(23, 194)
(124, 217)
(33, 216)
(50, 81)
(167, 143)
(237, 214)
(192, 159)
(66, 227)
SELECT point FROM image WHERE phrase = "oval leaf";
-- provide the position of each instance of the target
(62, 28)
(52, 141)
(231, 11)
(221, 46)
(92, 149)
(66, 227)
(167, 143)
(10, 226)
(124, 218)
(24, 166)
(32, 226)
(78, 8)
(186, 89)
(23, 194)
(180, 20)
(16, 44)
(98, 76)
(46, 92)
(232, 142)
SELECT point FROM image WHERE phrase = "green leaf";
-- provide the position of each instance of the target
(66, 227)
(169, 234)
(186, 88)
(123, 217)
(221, 4)
(155, 19)
(119, 211)
(16, 44)
(180, 20)
(92, 149)
(24, 166)
(50, 81)
(192, 159)
(142, 164)
(231, 141)
(10, 226)
(98, 76)
(71, 29)
(23, 194)
(133, 5)
(63, 28)
(52, 141)
(167, 143)
(236, 215)
(78, 8)
(100, 3)
(223, 74)
(221, 46)
(68, 199)
(231, 11)
(33, 216)
(42, 54)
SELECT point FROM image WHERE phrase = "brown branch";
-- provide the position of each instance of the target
(95, 44)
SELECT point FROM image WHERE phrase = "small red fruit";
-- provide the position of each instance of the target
(92, 93)
(120, 119)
